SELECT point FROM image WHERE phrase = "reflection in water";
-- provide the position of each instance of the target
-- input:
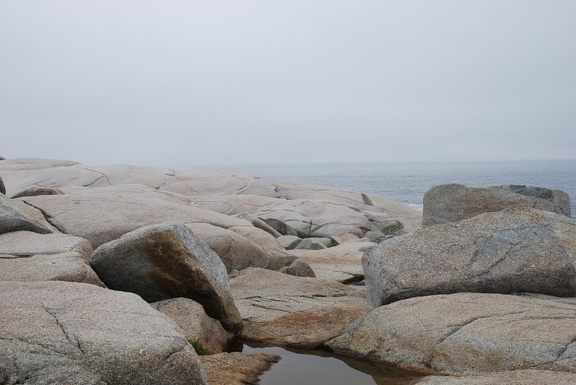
(319, 367)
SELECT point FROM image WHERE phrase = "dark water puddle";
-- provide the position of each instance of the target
(298, 367)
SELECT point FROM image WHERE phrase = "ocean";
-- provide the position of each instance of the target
(408, 181)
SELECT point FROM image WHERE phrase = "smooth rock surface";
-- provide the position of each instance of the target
(195, 324)
(466, 332)
(282, 310)
(167, 261)
(28, 256)
(18, 216)
(73, 333)
(454, 202)
(238, 251)
(510, 251)
(101, 218)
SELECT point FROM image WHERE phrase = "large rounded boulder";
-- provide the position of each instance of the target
(510, 251)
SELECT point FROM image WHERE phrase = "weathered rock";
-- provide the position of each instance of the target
(316, 218)
(64, 333)
(342, 263)
(343, 238)
(466, 332)
(237, 368)
(376, 236)
(510, 251)
(280, 226)
(278, 257)
(455, 202)
(239, 252)
(298, 268)
(195, 324)
(259, 223)
(2, 187)
(36, 190)
(18, 216)
(514, 377)
(27, 256)
(101, 218)
(166, 261)
(288, 241)
(314, 244)
(381, 222)
(283, 310)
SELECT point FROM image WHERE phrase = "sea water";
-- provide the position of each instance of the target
(408, 181)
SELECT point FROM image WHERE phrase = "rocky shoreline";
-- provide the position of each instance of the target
(114, 274)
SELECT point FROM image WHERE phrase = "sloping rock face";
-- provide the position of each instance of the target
(27, 256)
(284, 310)
(101, 218)
(516, 250)
(238, 251)
(17, 216)
(466, 332)
(195, 324)
(88, 335)
(516, 377)
(166, 261)
(455, 202)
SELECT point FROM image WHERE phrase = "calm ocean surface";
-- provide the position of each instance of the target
(408, 181)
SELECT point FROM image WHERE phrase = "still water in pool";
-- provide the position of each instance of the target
(298, 367)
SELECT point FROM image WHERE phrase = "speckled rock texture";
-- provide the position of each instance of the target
(466, 332)
(455, 202)
(74, 333)
(510, 251)
(165, 261)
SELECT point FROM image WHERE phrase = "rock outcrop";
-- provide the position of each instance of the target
(283, 310)
(454, 202)
(237, 368)
(466, 332)
(195, 324)
(18, 216)
(514, 377)
(74, 333)
(28, 256)
(510, 251)
(167, 261)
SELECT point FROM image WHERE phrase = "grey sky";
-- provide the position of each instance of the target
(203, 82)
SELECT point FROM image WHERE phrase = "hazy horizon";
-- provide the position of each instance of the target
(262, 82)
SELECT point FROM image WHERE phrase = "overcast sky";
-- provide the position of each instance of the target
(212, 82)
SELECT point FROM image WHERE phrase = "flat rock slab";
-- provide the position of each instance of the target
(466, 332)
(73, 333)
(510, 251)
(342, 263)
(283, 310)
(166, 261)
(28, 256)
(237, 368)
(516, 377)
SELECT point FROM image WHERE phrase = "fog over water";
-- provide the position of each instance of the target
(258, 81)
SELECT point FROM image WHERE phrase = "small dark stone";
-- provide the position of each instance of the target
(2, 187)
